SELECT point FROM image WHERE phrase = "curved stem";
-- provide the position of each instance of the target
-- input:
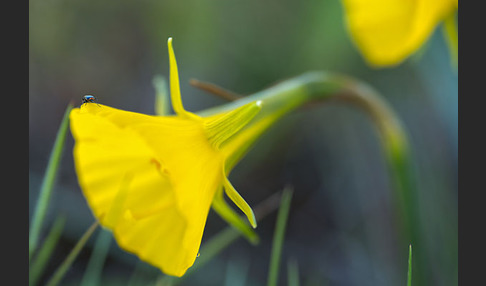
(288, 95)
(397, 151)
(394, 141)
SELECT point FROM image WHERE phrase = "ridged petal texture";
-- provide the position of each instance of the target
(149, 179)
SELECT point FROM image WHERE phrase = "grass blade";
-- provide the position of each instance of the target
(409, 274)
(61, 270)
(92, 276)
(236, 272)
(45, 251)
(278, 236)
(139, 275)
(292, 273)
(47, 183)
(162, 102)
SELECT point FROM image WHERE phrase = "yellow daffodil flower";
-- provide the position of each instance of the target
(388, 31)
(152, 179)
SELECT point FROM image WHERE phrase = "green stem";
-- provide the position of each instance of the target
(288, 95)
(48, 183)
(399, 158)
(276, 101)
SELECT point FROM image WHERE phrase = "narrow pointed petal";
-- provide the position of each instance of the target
(175, 91)
(239, 202)
(232, 218)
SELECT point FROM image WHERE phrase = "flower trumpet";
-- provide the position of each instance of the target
(151, 180)
(387, 32)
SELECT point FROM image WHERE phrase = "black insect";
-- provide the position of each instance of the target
(89, 98)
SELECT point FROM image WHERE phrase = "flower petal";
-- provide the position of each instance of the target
(231, 217)
(157, 240)
(161, 210)
(389, 31)
(175, 91)
(104, 154)
(239, 202)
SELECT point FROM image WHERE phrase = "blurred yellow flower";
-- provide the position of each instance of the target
(152, 179)
(388, 31)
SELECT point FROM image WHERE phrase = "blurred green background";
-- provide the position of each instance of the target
(341, 229)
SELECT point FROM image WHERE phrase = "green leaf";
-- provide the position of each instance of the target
(48, 183)
(39, 263)
(292, 273)
(92, 276)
